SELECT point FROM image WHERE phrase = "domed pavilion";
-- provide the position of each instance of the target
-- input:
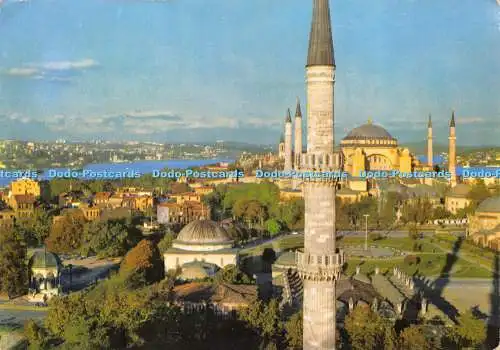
(45, 273)
(202, 245)
(484, 226)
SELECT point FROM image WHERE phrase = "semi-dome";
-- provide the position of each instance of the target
(490, 205)
(197, 270)
(44, 259)
(369, 131)
(203, 232)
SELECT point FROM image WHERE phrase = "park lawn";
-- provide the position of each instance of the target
(431, 265)
(482, 256)
(400, 243)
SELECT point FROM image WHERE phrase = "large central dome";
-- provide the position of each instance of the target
(202, 233)
(369, 131)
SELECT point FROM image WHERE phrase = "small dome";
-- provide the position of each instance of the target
(490, 205)
(203, 232)
(44, 259)
(369, 131)
(197, 270)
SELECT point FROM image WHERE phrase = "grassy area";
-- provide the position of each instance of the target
(403, 244)
(467, 249)
(432, 260)
(430, 265)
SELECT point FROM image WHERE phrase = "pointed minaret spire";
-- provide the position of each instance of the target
(288, 141)
(320, 39)
(298, 111)
(288, 118)
(452, 152)
(297, 147)
(430, 152)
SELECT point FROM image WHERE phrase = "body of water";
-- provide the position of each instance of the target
(138, 167)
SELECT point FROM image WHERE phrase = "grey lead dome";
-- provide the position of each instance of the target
(203, 232)
(369, 131)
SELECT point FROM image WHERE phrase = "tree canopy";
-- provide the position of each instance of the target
(143, 263)
(13, 269)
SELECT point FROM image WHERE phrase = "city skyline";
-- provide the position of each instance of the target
(184, 71)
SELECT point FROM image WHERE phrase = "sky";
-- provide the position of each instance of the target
(194, 70)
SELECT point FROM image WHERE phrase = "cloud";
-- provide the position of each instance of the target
(470, 120)
(144, 123)
(22, 72)
(53, 71)
(83, 64)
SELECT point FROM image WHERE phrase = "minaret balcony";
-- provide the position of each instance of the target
(320, 267)
(321, 162)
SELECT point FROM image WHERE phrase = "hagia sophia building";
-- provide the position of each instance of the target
(368, 147)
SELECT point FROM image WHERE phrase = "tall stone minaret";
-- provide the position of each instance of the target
(288, 141)
(320, 264)
(298, 136)
(281, 147)
(430, 153)
(452, 153)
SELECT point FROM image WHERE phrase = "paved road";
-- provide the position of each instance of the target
(464, 282)
(19, 316)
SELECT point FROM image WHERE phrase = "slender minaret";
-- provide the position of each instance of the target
(452, 153)
(430, 153)
(288, 141)
(320, 264)
(298, 136)
(281, 147)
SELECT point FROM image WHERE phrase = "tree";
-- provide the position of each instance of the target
(273, 226)
(365, 329)
(36, 229)
(264, 319)
(166, 242)
(110, 238)
(13, 269)
(413, 337)
(417, 211)
(143, 263)
(232, 274)
(294, 331)
(36, 335)
(441, 213)
(255, 212)
(470, 331)
(290, 213)
(67, 232)
(113, 316)
(387, 215)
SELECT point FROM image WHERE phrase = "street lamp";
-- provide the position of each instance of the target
(366, 231)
